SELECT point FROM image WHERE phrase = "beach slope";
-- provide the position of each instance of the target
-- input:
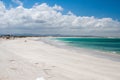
(28, 59)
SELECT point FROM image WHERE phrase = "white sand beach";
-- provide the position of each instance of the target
(36, 60)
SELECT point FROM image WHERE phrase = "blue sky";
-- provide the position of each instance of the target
(65, 17)
(97, 8)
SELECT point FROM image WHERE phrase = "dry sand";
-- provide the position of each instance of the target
(36, 60)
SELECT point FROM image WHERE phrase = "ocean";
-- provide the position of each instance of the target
(102, 44)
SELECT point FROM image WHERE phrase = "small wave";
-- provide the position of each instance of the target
(114, 52)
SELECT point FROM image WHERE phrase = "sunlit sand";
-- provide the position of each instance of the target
(29, 59)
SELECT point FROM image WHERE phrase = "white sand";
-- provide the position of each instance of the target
(35, 60)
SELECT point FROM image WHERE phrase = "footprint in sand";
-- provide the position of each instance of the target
(13, 68)
(36, 63)
(12, 60)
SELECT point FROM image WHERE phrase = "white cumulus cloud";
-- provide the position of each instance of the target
(45, 19)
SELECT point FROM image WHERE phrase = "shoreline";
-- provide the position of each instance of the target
(94, 52)
(32, 59)
(89, 48)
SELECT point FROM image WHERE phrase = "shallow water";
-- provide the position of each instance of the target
(104, 44)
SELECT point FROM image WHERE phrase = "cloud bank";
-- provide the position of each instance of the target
(45, 19)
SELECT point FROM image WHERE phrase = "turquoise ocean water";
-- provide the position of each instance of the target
(104, 44)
